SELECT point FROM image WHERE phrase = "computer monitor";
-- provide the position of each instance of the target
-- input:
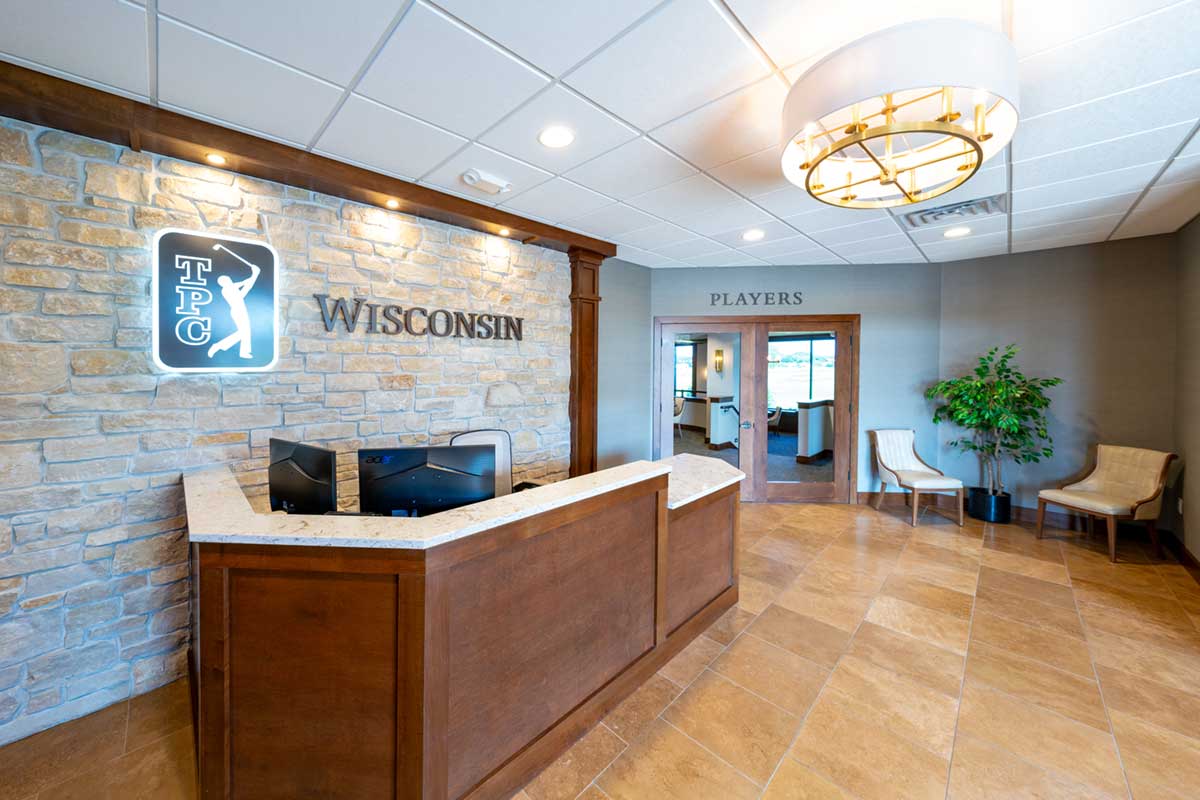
(419, 481)
(303, 479)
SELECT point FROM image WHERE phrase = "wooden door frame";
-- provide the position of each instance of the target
(755, 413)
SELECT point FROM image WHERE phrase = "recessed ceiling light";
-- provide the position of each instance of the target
(753, 235)
(215, 158)
(504, 232)
(556, 136)
(393, 203)
(957, 232)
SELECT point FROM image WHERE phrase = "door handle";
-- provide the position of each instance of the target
(746, 425)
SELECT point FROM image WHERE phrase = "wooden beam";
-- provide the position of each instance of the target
(43, 99)
(585, 331)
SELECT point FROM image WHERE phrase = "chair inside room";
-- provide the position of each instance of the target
(900, 466)
(677, 418)
(1126, 485)
(502, 441)
(773, 417)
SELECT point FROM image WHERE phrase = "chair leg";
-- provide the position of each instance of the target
(879, 496)
(1112, 538)
(1041, 519)
(1152, 528)
(916, 502)
(958, 499)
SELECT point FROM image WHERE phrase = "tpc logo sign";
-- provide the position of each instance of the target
(215, 300)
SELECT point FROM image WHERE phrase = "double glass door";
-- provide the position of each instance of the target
(770, 395)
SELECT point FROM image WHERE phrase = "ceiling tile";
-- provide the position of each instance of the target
(1039, 25)
(366, 133)
(102, 41)
(239, 87)
(684, 199)
(874, 244)
(612, 221)
(776, 247)
(754, 175)
(806, 258)
(900, 255)
(791, 30)
(631, 169)
(645, 259)
(473, 85)
(1127, 151)
(1102, 184)
(825, 217)
(859, 232)
(550, 33)
(684, 55)
(996, 223)
(1192, 148)
(1068, 212)
(773, 231)
(557, 199)
(790, 201)
(1096, 229)
(595, 131)
(739, 214)
(991, 244)
(726, 258)
(658, 235)
(1164, 209)
(330, 40)
(1147, 108)
(1181, 170)
(735, 126)
(691, 248)
(1118, 59)
(522, 176)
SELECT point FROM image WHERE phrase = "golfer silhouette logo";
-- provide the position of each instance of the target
(215, 301)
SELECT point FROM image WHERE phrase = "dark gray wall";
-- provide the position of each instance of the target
(625, 392)
(1187, 375)
(1101, 316)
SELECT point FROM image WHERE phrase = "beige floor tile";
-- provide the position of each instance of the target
(155, 714)
(1154, 607)
(1022, 542)
(843, 611)
(161, 770)
(1135, 577)
(729, 625)
(571, 772)
(964, 562)
(1043, 737)
(1150, 701)
(835, 578)
(868, 563)
(1031, 612)
(929, 595)
(908, 709)
(964, 541)
(743, 729)
(864, 758)
(1174, 668)
(933, 666)
(754, 595)
(633, 717)
(981, 770)
(1031, 588)
(1069, 694)
(784, 678)
(788, 547)
(1155, 756)
(1063, 652)
(804, 636)
(1048, 571)
(777, 574)
(667, 764)
(794, 781)
(934, 627)
(917, 566)
(592, 792)
(687, 665)
(1144, 628)
(50, 756)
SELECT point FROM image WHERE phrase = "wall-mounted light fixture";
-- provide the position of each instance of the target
(719, 361)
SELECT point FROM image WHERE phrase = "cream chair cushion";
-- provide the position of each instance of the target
(1122, 477)
(924, 479)
(896, 457)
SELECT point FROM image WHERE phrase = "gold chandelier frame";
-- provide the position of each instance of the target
(858, 134)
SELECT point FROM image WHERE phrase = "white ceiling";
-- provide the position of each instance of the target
(676, 108)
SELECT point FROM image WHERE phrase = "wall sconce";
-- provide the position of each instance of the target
(719, 361)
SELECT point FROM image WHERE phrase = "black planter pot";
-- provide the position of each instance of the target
(995, 508)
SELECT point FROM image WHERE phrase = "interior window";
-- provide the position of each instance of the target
(685, 373)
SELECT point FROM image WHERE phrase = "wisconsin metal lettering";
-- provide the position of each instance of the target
(756, 298)
(215, 302)
(392, 320)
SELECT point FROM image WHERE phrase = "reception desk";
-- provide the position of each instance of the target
(449, 656)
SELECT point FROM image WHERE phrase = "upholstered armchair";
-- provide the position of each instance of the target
(773, 418)
(677, 417)
(900, 466)
(1127, 484)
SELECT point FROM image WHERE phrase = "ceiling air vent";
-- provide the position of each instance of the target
(956, 212)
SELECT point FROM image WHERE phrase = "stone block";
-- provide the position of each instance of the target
(44, 278)
(14, 147)
(45, 187)
(45, 428)
(237, 419)
(91, 517)
(84, 330)
(153, 551)
(65, 578)
(89, 447)
(30, 635)
(17, 300)
(109, 362)
(122, 183)
(218, 194)
(86, 233)
(24, 213)
(20, 464)
(74, 305)
(79, 145)
(68, 663)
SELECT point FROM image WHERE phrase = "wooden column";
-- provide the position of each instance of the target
(585, 331)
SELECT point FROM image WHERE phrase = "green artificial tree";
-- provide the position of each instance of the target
(1003, 410)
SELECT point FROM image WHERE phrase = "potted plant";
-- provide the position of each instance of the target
(1004, 412)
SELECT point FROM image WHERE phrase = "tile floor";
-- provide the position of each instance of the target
(866, 659)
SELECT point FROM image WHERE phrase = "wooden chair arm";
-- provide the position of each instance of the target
(1162, 483)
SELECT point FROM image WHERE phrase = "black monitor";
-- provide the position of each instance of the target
(303, 479)
(419, 481)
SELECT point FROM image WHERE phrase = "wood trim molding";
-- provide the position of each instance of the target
(42, 99)
(585, 353)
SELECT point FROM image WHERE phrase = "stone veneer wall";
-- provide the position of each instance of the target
(93, 439)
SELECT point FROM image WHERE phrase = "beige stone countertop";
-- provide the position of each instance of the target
(218, 510)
